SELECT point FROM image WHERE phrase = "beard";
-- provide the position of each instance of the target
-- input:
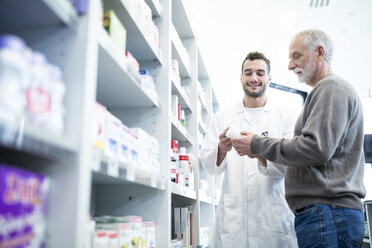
(255, 94)
(307, 72)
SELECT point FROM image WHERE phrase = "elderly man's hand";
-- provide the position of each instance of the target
(242, 145)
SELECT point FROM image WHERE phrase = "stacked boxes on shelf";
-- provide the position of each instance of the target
(177, 112)
(148, 84)
(118, 34)
(182, 167)
(142, 15)
(127, 145)
(183, 225)
(123, 231)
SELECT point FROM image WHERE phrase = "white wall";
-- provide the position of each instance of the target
(228, 30)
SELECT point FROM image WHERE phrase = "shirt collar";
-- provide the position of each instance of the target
(267, 107)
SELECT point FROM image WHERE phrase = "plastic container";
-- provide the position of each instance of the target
(184, 167)
(233, 132)
(38, 92)
(14, 74)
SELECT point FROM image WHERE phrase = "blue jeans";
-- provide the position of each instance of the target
(327, 226)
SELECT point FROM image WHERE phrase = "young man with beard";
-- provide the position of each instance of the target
(324, 177)
(252, 211)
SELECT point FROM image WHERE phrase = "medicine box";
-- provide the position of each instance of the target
(23, 208)
(115, 29)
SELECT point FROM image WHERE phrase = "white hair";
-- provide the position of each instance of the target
(315, 38)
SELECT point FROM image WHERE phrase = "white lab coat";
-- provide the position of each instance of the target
(252, 211)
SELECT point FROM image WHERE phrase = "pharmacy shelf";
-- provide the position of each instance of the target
(202, 70)
(109, 171)
(182, 191)
(19, 14)
(117, 85)
(180, 54)
(180, 133)
(94, 69)
(155, 8)
(183, 100)
(137, 43)
(181, 20)
(33, 140)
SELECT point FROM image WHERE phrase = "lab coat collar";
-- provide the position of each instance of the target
(267, 107)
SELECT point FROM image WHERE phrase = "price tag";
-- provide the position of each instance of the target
(96, 160)
(113, 167)
(153, 181)
(131, 172)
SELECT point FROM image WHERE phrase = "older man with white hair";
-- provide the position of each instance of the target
(324, 159)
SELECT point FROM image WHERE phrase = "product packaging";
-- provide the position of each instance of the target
(174, 146)
(23, 208)
(150, 234)
(125, 144)
(99, 125)
(182, 118)
(112, 139)
(115, 29)
(14, 74)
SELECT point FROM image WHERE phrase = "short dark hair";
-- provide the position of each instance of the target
(254, 56)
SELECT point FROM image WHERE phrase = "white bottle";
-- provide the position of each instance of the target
(173, 168)
(38, 94)
(233, 132)
(184, 166)
(14, 72)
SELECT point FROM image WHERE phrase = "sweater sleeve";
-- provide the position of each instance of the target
(273, 169)
(324, 119)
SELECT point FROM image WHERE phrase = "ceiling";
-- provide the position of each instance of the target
(228, 30)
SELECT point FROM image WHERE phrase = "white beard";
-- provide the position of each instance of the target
(307, 72)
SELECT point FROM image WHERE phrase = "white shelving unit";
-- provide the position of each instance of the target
(67, 40)
(84, 182)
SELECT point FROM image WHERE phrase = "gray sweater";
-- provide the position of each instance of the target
(325, 157)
